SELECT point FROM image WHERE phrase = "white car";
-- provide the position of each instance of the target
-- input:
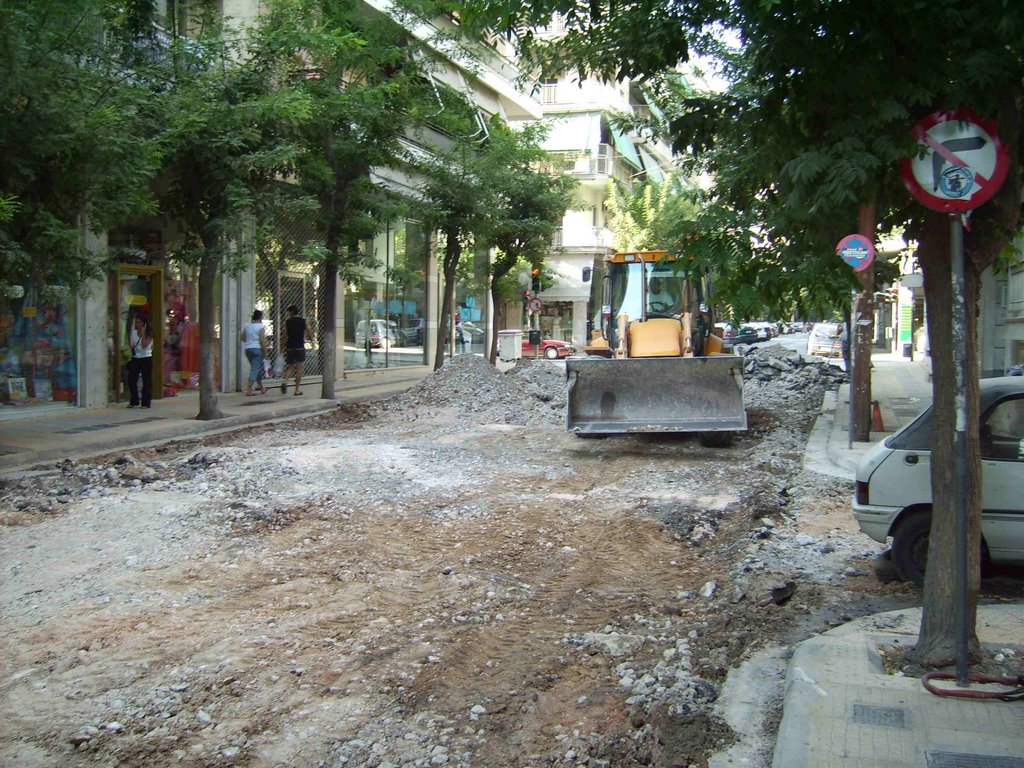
(825, 340)
(894, 494)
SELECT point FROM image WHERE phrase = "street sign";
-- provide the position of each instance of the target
(534, 305)
(857, 251)
(961, 164)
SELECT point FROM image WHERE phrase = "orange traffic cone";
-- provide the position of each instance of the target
(876, 417)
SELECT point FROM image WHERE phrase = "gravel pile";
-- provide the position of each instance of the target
(530, 394)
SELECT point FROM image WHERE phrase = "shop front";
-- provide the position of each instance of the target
(38, 350)
(166, 295)
(385, 307)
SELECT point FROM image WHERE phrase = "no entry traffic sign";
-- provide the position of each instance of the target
(961, 164)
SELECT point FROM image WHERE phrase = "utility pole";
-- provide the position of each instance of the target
(863, 334)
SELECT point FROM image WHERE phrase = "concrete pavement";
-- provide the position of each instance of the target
(84, 432)
(841, 709)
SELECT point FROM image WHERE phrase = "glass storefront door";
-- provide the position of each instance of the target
(137, 291)
(386, 311)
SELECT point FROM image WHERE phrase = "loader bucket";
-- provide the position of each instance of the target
(657, 394)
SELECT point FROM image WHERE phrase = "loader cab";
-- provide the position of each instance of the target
(652, 285)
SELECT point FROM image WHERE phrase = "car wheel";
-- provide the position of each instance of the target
(551, 353)
(885, 569)
(910, 547)
(716, 439)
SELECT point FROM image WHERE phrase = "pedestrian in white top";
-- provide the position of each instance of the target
(141, 342)
(254, 342)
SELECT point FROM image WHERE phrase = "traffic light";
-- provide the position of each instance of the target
(535, 279)
(527, 295)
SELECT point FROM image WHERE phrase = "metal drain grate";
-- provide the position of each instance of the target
(961, 760)
(890, 717)
(95, 427)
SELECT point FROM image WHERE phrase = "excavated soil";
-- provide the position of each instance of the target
(446, 578)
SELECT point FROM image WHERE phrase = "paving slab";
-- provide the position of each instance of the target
(842, 710)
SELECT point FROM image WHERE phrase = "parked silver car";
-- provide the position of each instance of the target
(894, 494)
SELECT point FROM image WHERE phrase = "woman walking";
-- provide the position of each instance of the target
(141, 342)
(254, 342)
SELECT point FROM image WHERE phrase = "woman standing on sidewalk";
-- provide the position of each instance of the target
(141, 341)
(254, 341)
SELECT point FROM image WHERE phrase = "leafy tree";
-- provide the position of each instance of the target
(807, 140)
(224, 134)
(71, 148)
(457, 194)
(358, 71)
(648, 215)
(529, 207)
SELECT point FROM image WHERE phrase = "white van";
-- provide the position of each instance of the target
(894, 490)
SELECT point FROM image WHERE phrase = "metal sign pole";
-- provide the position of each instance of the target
(959, 318)
(851, 335)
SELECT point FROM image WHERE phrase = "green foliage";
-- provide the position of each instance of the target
(72, 149)
(359, 75)
(529, 202)
(650, 216)
(818, 114)
(223, 130)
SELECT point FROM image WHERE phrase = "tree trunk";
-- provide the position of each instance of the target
(208, 270)
(492, 356)
(991, 226)
(452, 254)
(328, 342)
(936, 644)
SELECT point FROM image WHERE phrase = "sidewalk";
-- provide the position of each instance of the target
(83, 432)
(843, 711)
(840, 708)
(902, 390)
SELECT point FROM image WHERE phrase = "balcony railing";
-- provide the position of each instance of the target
(589, 238)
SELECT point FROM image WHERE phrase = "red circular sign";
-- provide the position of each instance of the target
(961, 164)
(857, 251)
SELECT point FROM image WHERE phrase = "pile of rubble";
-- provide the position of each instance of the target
(779, 379)
(531, 394)
(788, 367)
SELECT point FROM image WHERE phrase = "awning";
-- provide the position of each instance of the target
(573, 133)
(653, 168)
(624, 146)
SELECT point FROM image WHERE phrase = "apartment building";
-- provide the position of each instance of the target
(586, 143)
(59, 350)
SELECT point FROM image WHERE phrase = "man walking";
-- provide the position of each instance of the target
(296, 334)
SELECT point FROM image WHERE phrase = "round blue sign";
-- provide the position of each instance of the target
(857, 251)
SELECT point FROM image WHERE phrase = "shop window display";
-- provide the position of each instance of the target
(181, 336)
(37, 346)
(385, 313)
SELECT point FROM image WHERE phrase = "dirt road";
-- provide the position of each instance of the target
(448, 579)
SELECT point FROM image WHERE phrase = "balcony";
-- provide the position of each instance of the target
(583, 239)
(592, 167)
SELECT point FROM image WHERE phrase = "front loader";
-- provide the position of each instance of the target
(654, 365)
